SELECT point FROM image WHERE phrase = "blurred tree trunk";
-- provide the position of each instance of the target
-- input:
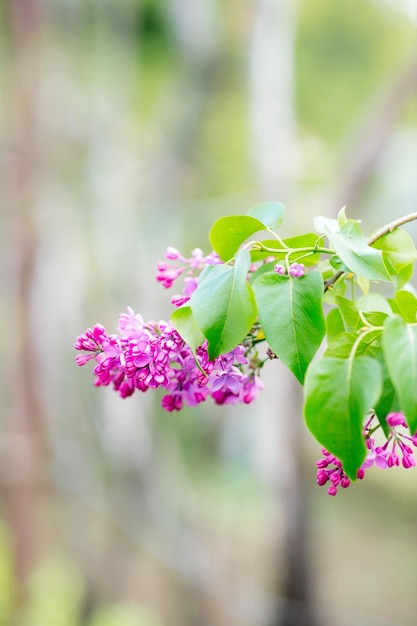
(271, 94)
(373, 135)
(273, 125)
(24, 462)
(196, 30)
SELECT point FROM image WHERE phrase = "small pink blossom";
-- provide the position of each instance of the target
(396, 419)
(297, 270)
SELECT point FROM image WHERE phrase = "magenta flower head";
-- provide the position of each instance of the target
(172, 254)
(396, 419)
(297, 270)
(279, 269)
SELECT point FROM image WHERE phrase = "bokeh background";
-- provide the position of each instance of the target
(127, 126)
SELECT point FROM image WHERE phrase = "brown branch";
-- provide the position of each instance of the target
(411, 217)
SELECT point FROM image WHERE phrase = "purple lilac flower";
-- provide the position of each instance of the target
(394, 452)
(168, 273)
(330, 470)
(295, 270)
(152, 355)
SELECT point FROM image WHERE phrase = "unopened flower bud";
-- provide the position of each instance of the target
(396, 419)
(408, 461)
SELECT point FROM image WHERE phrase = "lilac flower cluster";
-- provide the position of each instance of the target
(152, 355)
(169, 272)
(394, 452)
(330, 470)
(295, 270)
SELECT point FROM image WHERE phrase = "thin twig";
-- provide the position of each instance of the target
(392, 226)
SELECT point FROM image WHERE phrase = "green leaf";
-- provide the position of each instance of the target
(375, 308)
(308, 240)
(398, 247)
(349, 313)
(266, 267)
(388, 399)
(270, 214)
(404, 276)
(224, 306)
(184, 323)
(291, 316)
(341, 217)
(322, 224)
(406, 305)
(400, 350)
(337, 264)
(351, 246)
(334, 324)
(341, 346)
(373, 302)
(375, 318)
(339, 393)
(228, 233)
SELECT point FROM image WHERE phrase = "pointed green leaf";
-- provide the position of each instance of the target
(373, 302)
(341, 217)
(388, 399)
(398, 247)
(337, 264)
(228, 233)
(339, 393)
(400, 350)
(341, 346)
(270, 214)
(406, 305)
(322, 224)
(291, 316)
(402, 277)
(334, 324)
(184, 323)
(349, 313)
(224, 305)
(352, 247)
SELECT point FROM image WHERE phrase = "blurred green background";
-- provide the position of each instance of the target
(127, 126)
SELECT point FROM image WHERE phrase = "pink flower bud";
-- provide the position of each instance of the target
(396, 419)
(332, 491)
(335, 477)
(322, 478)
(172, 253)
(297, 270)
(408, 461)
(82, 359)
(393, 460)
